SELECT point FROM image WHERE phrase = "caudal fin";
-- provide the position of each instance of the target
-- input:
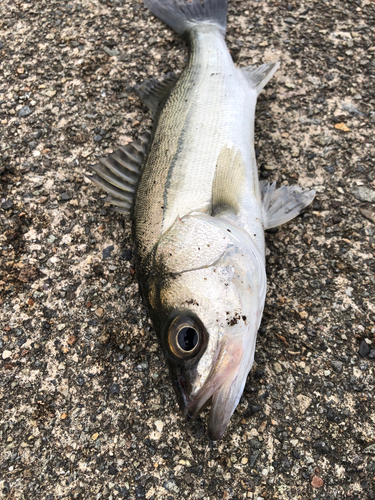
(181, 15)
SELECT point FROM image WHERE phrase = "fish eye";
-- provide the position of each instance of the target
(186, 336)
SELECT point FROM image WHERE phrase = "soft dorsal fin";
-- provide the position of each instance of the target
(229, 181)
(283, 204)
(259, 76)
(153, 92)
(118, 174)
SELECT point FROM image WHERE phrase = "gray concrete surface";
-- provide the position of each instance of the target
(87, 410)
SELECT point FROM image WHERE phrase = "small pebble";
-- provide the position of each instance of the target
(255, 444)
(72, 339)
(80, 380)
(290, 20)
(363, 193)
(364, 349)
(296, 454)
(304, 402)
(253, 458)
(114, 388)
(277, 368)
(159, 425)
(370, 450)
(317, 482)
(141, 367)
(253, 408)
(65, 197)
(337, 366)
(24, 112)
(112, 470)
(368, 214)
(322, 447)
(37, 134)
(107, 252)
(99, 312)
(126, 255)
(7, 204)
(315, 284)
(351, 109)
(140, 492)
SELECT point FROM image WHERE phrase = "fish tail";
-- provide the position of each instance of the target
(182, 15)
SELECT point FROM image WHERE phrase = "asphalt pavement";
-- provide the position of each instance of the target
(87, 410)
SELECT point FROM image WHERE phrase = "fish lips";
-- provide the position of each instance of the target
(223, 390)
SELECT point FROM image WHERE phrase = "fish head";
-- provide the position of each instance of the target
(206, 305)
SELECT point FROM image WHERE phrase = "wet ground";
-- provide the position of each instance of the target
(87, 409)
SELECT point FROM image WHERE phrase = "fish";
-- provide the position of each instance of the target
(199, 212)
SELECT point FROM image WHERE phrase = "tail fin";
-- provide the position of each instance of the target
(182, 15)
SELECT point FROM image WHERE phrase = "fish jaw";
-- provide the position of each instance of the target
(224, 386)
(225, 401)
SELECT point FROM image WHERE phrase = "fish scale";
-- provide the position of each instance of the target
(188, 176)
(219, 113)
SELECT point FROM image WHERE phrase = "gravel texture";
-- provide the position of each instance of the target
(87, 409)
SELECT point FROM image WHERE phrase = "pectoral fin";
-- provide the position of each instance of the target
(118, 174)
(283, 204)
(259, 76)
(229, 181)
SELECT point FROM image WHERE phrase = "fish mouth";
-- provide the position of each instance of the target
(222, 390)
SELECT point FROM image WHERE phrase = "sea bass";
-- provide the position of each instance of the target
(199, 212)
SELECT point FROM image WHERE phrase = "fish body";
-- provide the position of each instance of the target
(211, 107)
(199, 213)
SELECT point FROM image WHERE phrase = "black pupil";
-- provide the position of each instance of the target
(187, 339)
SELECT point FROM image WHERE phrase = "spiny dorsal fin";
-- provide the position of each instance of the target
(259, 76)
(229, 181)
(153, 92)
(118, 174)
(283, 204)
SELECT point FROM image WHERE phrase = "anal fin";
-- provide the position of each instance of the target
(283, 204)
(118, 174)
